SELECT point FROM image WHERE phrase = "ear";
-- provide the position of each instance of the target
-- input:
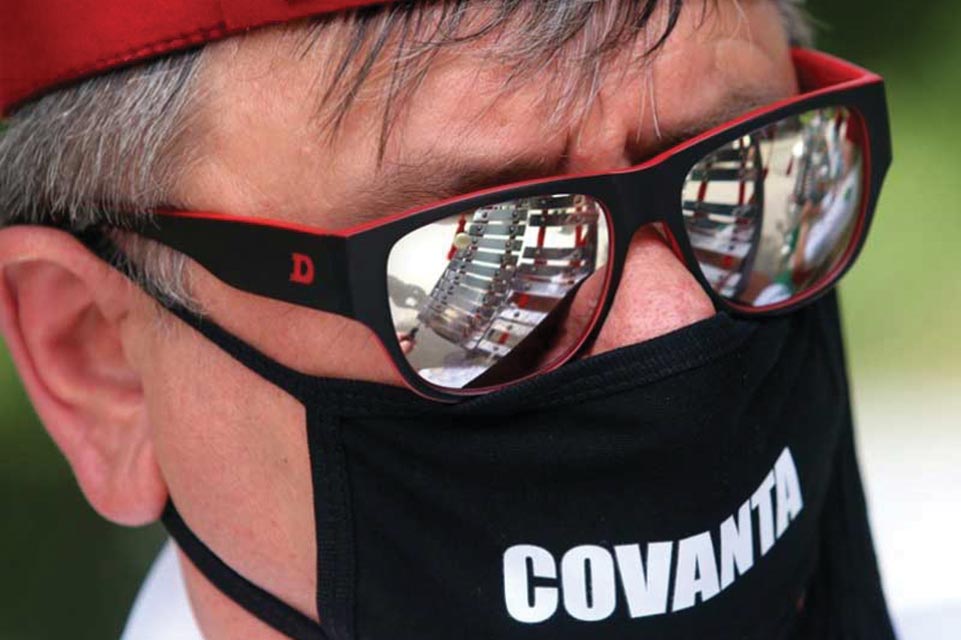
(66, 315)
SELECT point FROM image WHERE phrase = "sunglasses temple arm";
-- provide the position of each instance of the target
(280, 264)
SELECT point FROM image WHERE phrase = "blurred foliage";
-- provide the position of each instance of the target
(902, 301)
(65, 573)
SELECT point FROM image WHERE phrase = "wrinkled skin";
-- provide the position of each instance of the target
(142, 414)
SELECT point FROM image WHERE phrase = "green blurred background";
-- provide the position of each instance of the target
(65, 573)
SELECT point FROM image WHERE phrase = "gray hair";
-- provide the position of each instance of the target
(110, 149)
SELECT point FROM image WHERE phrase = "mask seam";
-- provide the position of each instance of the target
(652, 376)
(658, 366)
(336, 563)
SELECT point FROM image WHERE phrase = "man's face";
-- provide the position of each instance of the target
(230, 447)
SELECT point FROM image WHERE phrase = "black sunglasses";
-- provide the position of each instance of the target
(484, 290)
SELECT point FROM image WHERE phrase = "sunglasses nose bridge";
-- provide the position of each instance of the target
(643, 197)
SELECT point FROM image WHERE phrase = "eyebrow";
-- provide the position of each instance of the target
(444, 175)
(400, 186)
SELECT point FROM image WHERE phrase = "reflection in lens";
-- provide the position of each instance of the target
(490, 295)
(771, 214)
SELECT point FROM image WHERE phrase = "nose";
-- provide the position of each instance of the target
(656, 295)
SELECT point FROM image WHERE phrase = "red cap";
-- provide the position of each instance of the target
(48, 43)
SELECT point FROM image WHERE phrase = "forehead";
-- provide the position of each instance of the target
(264, 146)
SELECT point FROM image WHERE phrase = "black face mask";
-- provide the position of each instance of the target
(699, 485)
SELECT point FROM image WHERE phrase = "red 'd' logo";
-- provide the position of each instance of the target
(303, 269)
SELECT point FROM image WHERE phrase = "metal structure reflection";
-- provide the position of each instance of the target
(770, 214)
(508, 274)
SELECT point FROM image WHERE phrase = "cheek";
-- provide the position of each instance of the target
(233, 451)
(312, 342)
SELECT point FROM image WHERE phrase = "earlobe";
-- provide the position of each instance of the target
(62, 313)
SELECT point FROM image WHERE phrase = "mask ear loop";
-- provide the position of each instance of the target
(261, 604)
(293, 382)
(258, 602)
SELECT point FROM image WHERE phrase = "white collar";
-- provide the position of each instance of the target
(162, 610)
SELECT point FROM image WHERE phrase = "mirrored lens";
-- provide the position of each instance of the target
(493, 294)
(772, 214)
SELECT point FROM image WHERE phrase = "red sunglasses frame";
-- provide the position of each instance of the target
(345, 271)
